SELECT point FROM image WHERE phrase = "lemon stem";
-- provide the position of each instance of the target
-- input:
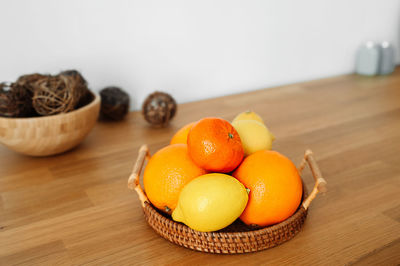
(248, 190)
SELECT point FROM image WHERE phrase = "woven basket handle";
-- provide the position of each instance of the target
(320, 183)
(133, 181)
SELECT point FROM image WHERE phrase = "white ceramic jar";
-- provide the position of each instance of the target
(368, 59)
(387, 62)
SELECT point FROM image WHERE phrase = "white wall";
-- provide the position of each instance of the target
(192, 49)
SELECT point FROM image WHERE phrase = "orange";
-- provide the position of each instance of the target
(166, 173)
(215, 145)
(181, 135)
(275, 187)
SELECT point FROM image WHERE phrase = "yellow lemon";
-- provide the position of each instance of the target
(211, 202)
(248, 115)
(254, 135)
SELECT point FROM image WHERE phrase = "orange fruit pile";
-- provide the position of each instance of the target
(212, 145)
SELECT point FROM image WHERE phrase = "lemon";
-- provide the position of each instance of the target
(248, 115)
(254, 135)
(211, 202)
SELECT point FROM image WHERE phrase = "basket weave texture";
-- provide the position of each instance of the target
(225, 242)
(236, 238)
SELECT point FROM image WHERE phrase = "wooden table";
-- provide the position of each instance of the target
(75, 208)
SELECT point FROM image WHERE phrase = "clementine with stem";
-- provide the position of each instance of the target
(215, 145)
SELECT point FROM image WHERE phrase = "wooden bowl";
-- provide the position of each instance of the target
(49, 135)
(236, 238)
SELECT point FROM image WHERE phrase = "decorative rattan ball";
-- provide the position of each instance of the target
(58, 94)
(114, 103)
(159, 108)
(28, 81)
(15, 101)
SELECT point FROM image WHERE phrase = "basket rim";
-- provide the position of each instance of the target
(181, 227)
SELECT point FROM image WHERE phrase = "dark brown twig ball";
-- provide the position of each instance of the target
(78, 78)
(159, 108)
(81, 86)
(15, 101)
(114, 103)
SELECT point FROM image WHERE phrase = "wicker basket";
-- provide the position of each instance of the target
(236, 238)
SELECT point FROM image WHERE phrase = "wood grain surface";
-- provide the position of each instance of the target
(75, 208)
